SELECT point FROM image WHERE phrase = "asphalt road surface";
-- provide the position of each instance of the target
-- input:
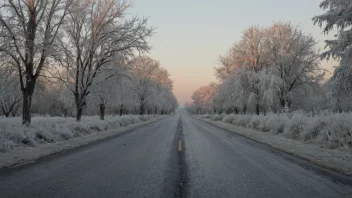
(176, 157)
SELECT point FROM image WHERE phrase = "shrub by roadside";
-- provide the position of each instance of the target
(44, 130)
(330, 130)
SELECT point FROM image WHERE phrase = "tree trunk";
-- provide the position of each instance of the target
(26, 108)
(289, 104)
(121, 109)
(7, 114)
(102, 111)
(245, 109)
(285, 103)
(257, 109)
(14, 110)
(236, 110)
(282, 103)
(141, 109)
(80, 103)
(79, 114)
(65, 113)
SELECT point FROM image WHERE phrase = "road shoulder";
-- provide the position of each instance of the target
(25, 154)
(337, 160)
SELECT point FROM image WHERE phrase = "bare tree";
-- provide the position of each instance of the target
(10, 94)
(96, 34)
(163, 84)
(142, 72)
(28, 29)
(103, 93)
(123, 94)
(66, 99)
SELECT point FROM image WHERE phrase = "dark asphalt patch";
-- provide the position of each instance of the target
(175, 182)
(181, 162)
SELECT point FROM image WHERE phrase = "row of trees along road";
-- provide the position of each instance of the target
(277, 68)
(75, 52)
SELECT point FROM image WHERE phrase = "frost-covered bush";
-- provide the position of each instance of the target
(257, 122)
(331, 130)
(276, 123)
(216, 117)
(242, 120)
(295, 125)
(205, 116)
(44, 130)
(228, 118)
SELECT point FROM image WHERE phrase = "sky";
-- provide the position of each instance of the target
(190, 35)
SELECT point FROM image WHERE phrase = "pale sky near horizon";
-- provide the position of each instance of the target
(192, 34)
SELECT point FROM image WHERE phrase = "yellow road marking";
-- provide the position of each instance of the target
(179, 146)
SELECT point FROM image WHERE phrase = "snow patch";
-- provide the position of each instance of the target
(326, 129)
(46, 130)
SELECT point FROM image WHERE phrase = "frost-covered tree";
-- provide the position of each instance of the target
(169, 102)
(227, 66)
(142, 72)
(103, 93)
(10, 94)
(226, 96)
(339, 86)
(152, 86)
(124, 98)
(28, 29)
(203, 98)
(338, 16)
(66, 99)
(250, 55)
(46, 97)
(163, 85)
(95, 36)
(266, 71)
(294, 61)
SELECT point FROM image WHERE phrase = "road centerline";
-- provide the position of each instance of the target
(179, 145)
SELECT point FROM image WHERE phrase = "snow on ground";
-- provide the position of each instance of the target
(327, 129)
(48, 135)
(322, 139)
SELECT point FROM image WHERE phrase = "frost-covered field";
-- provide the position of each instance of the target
(44, 130)
(330, 130)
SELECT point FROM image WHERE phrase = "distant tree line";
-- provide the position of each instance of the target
(277, 69)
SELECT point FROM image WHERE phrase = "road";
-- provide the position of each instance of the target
(179, 156)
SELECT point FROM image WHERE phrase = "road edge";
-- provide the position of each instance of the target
(332, 167)
(26, 155)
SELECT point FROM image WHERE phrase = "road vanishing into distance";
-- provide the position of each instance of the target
(178, 156)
